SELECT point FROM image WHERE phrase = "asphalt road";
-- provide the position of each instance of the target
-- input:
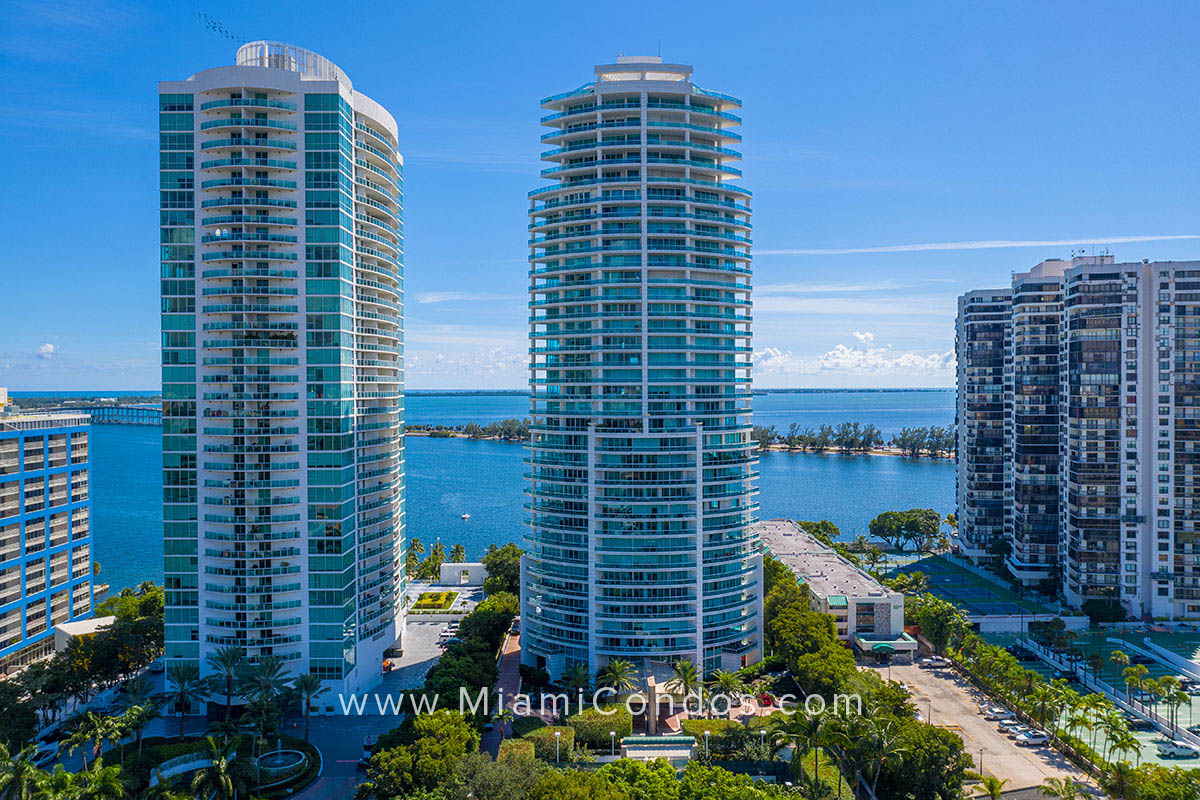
(955, 706)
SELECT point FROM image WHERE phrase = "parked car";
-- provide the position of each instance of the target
(1007, 725)
(157, 667)
(1177, 749)
(1064, 675)
(45, 754)
(995, 714)
(1138, 658)
(1032, 738)
(1194, 729)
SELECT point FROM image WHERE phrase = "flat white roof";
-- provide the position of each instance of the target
(823, 570)
(82, 627)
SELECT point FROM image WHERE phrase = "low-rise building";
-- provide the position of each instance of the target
(867, 614)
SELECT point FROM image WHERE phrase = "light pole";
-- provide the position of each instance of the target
(612, 738)
(706, 733)
(558, 736)
(929, 717)
(981, 761)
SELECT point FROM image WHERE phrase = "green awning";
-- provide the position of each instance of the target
(882, 647)
(837, 601)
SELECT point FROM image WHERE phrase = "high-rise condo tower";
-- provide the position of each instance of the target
(282, 336)
(641, 466)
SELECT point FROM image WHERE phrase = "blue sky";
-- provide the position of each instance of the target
(869, 128)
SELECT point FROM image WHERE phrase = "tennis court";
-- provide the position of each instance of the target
(974, 593)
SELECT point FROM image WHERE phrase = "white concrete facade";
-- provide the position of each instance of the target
(283, 366)
(641, 464)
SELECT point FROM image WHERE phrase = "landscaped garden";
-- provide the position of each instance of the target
(435, 601)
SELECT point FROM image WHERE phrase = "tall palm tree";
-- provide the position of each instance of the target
(1125, 743)
(618, 674)
(688, 680)
(95, 729)
(1062, 789)
(187, 689)
(458, 554)
(18, 775)
(729, 685)
(1134, 677)
(308, 687)
(265, 680)
(993, 787)
(218, 780)
(1119, 659)
(227, 663)
(810, 732)
(1042, 700)
(884, 744)
(576, 677)
(135, 719)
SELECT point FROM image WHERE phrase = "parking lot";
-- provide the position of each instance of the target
(954, 705)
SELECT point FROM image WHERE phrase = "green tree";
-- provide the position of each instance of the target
(480, 778)
(308, 687)
(686, 678)
(102, 783)
(219, 780)
(458, 554)
(18, 775)
(574, 785)
(227, 663)
(576, 677)
(618, 674)
(187, 689)
(993, 787)
(1062, 789)
(503, 566)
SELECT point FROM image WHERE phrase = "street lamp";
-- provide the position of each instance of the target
(558, 735)
(706, 733)
(612, 738)
(929, 717)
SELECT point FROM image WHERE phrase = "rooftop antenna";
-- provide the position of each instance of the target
(660, 47)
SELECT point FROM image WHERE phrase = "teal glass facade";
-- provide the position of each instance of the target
(282, 370)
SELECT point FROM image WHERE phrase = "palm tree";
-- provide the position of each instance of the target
(308, 687)
(1043, 698)
(1062, 789)
(93, 728)
(458, 554)
(59, 784)
(1134, 677)
(883, 743)
(576, 677)
(993, 787)
(265, 680)
(135, 719)
(18, 775)
(188, 689)
(218, 780)
(729, 685)
(102, 783)
(227, 663)
(688, 680)
(1119, 659)
(505, 716)
(1119, 780)
(617, 674)
(810, 732)
(1126, 743)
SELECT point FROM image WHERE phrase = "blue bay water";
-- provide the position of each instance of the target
(449, 477)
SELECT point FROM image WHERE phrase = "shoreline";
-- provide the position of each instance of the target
(775, 448)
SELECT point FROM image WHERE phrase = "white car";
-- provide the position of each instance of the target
(45, 754)
(995, 714)
(1032, 738)
(1178, 749)
(1018, 730)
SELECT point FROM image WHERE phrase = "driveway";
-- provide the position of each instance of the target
(954, 704)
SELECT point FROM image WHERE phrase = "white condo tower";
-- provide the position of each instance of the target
(641, 465)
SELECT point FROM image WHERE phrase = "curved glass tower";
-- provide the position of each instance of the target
(282, 366)
(641, 466)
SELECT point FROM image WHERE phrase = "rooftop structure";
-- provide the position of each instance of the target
(866, 613)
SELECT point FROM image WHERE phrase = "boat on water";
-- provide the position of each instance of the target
(466, 516)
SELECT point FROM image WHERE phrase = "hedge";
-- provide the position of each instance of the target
(523, 725)
(543, 741)
(515, 748)
(592, 727)
(717, 727)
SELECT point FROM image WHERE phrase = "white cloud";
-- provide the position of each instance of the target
(866, 337)
(47, 350)
(446, 297)
(852, 361)
(985, 244)
(490, 363)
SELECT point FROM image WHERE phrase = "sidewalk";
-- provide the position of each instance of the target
(508, 684)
